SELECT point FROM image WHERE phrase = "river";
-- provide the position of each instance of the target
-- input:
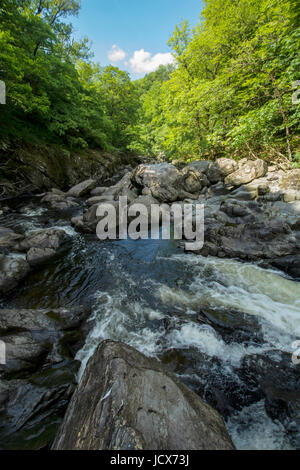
(226, 328)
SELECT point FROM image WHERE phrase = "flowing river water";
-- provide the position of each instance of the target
(226, 328)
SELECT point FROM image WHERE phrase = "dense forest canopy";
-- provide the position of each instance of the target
(54, 91)
(229, 93)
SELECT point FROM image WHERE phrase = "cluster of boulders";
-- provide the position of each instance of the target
(18, 254)
(70, 200)
(252, 210)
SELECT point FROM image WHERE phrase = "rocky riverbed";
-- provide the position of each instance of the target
(223, 320)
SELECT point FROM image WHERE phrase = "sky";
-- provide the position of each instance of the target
(133, 34)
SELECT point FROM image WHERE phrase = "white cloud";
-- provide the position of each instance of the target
(116, 54)
(144, 62)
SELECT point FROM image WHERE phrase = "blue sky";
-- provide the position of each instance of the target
(138, 28)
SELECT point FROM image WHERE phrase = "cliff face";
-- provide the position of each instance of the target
(39, 167)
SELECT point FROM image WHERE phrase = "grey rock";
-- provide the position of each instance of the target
(49, 238)
(40, 348)
(146, 192)
(8, 238)
(82, 188)
(41, 319)
(291, 179)
(164, 174)
(12, 271)
(59, 202)
(126, 401)
(220, 169)
(233, 209)
(146, 202)
(97, 199)
(193, 180)
(291, 195)
(89, 221)
(98, 191)
(57, 191)
(247, 173)
(78, 223)
(164, 193)
(201, 165)
(36, 256)
(288, 264)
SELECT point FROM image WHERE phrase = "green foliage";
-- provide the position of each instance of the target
(54, 92)
(231, 90)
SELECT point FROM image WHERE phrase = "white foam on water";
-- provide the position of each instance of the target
(207, 340)
(68, 229)
(30, 211)
(252, 429)
(225, 284)
(243, 287)
(118, 319)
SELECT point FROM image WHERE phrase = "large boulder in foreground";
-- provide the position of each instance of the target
(126, 401)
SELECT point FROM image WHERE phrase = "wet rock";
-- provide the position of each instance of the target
(49, 238)
(59, 202)
(36, 256)
(277, 378)
(12, 271)
(217, 190)
(42, 245)
(32, 409)
(82, 188)
(247, 173)
(288, 264)
(78, 223)
(23, 352)
(90, 219)
(244, 194)
(8, 238)
(245, 230)
(133, 403)
(39, 376)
